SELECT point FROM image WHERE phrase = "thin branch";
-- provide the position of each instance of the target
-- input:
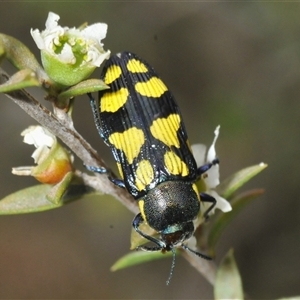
(62, 127)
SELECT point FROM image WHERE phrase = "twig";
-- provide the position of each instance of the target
(62, 127)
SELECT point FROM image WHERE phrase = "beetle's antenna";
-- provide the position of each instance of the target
(172, 266)
(196, 253)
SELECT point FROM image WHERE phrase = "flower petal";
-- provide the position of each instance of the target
(67, 55)
(212, 177)
(52, 21)
(199, 151)
(40, 153)
(38, 39)
(211, 154)
(96, 32)
(221, 204)
(38, 136)
(98, 60)
(22, 171)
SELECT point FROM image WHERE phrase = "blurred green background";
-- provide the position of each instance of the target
(233, 64)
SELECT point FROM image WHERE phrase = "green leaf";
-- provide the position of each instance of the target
(228, 281)
(18, 54)
(20, 80)
(138, 257)
(237, 180)
(290, 298)
(35, 199)
(222, 220)
(83, 87)
(32, 199)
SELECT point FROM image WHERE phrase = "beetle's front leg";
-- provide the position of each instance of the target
(101, 170)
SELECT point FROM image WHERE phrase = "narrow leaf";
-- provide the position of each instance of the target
(222, 220)
(32, 199)
(19, 55)
(234, 182)
(35, 199)
(228, 281)
(83, 87)
(136, 258)
(20, 80)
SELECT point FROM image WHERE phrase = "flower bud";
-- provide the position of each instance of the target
(53, 161)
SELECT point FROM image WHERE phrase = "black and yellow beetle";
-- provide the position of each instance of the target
(138, 118)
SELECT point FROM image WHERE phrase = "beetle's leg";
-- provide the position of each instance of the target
(206, 167)
(207, 198)
(118, 182)
(196, 252)
(136, 223)
(100, 170)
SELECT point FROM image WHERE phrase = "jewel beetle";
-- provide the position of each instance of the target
(139, 119)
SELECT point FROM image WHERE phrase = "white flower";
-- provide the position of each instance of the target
(53, 162)
(76, 47)
(61, 41)
(211, 177)
(42, 139)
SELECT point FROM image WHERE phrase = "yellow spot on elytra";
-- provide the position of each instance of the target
(144, 174)
(141, 207)
(165, 130)
(154, 87)
(194, 186)
(120, 170)
(175, 165)
(112, 73)
(112, 101)
(129, 141)
(136, 66)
